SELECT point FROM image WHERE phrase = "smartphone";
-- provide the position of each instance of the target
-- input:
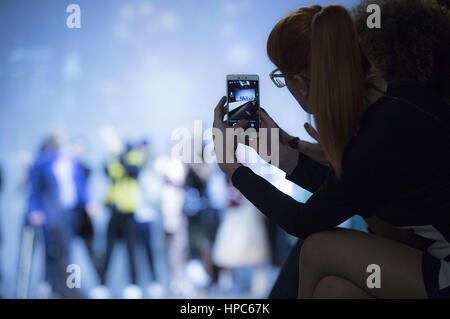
(243, 99)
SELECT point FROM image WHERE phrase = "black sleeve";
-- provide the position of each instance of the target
(325, 209)
(308, 173)
(369, 165)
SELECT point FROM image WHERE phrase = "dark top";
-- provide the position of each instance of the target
(397, 168)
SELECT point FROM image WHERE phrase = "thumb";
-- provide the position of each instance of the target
(312, 131)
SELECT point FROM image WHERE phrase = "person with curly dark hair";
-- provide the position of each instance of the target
(413, 41)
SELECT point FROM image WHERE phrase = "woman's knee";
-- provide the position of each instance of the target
(328, 288)
(315, 246)
(333, 287)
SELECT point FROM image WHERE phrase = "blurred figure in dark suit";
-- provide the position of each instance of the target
(57, 191)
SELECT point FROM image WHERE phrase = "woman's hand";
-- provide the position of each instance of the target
(289, 146)
(313, 150)
(225, 150)
(386, 230)
(288, 155)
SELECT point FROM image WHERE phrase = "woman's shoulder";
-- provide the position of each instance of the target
(408, 119)
(405, 103)
(381, 119)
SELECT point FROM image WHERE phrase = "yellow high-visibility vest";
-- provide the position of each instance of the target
(124, 191)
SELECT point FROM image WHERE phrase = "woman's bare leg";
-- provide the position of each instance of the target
(345, 254)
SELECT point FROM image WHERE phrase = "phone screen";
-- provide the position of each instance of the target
(243, 102)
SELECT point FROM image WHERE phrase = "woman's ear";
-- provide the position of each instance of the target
(302, 85)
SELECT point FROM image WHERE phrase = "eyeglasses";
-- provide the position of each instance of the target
(278, 78)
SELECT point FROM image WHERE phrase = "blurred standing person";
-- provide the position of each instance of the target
(123, 200)
(148, 218)
(217, 194)
(83, 215)
(203, 220)
(242, 245)
(174, 222)
(57, 188)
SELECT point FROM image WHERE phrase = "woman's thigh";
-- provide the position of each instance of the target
(347, 254)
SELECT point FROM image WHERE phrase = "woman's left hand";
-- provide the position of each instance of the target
(225, 150)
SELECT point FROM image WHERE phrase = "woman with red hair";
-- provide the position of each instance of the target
(382, 155)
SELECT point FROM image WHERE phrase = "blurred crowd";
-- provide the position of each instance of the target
(183, 224)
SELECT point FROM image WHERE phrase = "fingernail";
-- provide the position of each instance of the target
(294, 142)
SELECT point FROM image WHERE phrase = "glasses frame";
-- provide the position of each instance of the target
(273, 76)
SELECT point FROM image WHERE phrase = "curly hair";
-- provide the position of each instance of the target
(413, 41)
